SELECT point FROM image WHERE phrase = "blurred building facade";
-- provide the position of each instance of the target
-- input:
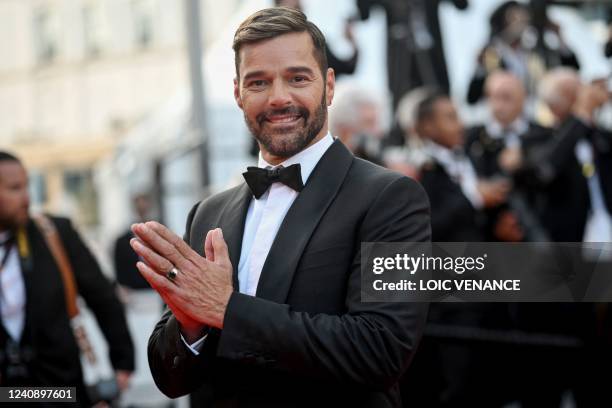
(76, 76)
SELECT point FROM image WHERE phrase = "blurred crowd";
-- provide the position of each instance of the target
(536, 168)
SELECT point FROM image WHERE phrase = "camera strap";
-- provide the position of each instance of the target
(58, 251)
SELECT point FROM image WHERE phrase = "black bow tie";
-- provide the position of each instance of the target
(260, 180)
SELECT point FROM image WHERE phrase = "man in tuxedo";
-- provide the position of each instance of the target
(456, 194)
(450, 371)
(264, 296)
(573, 169)
(506, 135)
(508, 128)
(557, 165)
(37, 345)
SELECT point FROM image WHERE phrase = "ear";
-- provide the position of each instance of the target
(237, 97)
(330, 83)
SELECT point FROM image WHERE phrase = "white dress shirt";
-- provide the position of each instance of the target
(264, 218)
(459, 168)
(265, 215)
(13, 296)
(599, 223)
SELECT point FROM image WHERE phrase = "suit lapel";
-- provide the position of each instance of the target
(301, 221)
(232, 222)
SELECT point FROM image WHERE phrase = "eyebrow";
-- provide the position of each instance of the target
(252, 75)
(293, 70)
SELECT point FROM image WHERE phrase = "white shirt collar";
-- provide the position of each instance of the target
(518, 127)
(459, 168)
(443, 155)
(307, 158)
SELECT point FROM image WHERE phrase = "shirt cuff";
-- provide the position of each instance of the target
(196, 347)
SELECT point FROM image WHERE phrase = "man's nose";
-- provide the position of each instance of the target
(279, 95)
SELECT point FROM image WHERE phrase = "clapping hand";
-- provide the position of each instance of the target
(196, 289)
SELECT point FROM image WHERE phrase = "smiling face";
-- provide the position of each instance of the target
(283, 94)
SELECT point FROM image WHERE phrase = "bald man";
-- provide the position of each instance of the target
(508, 125)
(559, 92)
(506, 137)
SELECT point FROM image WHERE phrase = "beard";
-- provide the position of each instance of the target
(11, 222)
(286, 141)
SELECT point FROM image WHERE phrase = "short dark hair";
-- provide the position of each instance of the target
(499, 18)
(276, 21)
(6, 156)
(426, 107)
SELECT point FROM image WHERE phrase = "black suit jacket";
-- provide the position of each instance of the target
(47, 332)
(553, 168)
(453, 218)
(484, 151)
(306, 339)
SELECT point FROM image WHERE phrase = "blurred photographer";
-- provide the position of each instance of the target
(572, 169)
(524, 41)
(37, 344)
(507, 135)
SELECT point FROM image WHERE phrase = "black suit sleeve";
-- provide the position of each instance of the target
(100, 297)
(176, 370)
(546, 162)
(370, 345)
